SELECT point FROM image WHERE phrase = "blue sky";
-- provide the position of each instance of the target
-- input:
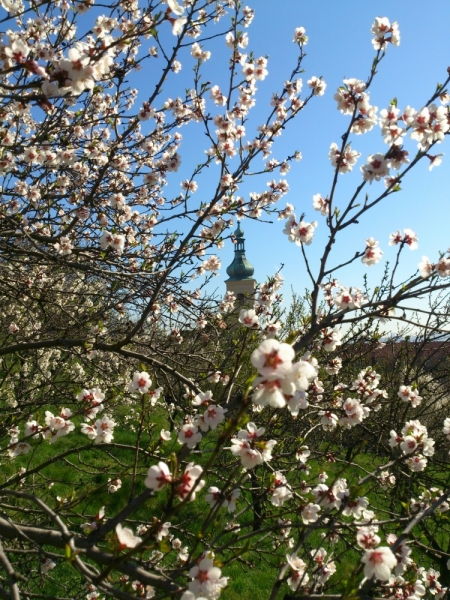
(339, 47)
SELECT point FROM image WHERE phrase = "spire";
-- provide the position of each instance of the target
(240, 269)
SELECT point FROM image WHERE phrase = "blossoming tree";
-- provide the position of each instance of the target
(158, 441)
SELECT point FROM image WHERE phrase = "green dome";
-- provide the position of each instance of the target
(239, 233)
(240, 268)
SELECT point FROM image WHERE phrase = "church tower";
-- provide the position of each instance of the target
(240, 272)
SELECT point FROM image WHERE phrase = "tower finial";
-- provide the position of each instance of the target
(240, 268)
(240, 271)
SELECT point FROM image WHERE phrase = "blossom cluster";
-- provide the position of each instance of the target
(372, 253)
(188, 484)
(441, 268)
(409, 394)
(189, 433)
(413, 441)
(281, 382)
(385, 32)
(93, 399)
(265, 300)
(250, 448)
(348, 299)
(409, 238)
(102, 431)
(353, 100)
(207, 580)
(299, 233)
(56, 426)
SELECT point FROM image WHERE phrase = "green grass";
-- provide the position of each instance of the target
(80, 481)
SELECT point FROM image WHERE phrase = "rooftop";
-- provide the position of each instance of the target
(240, 269)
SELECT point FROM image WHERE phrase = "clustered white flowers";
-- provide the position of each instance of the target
(261, 316)
(343, 160)
(281, 382)
(353, 100)
(372, 253)
(441, 268)
(414, 441)
(207, 580)
(427, 126)
(102, 431)
(187, 485)
(348, 299)
(409, 238)
(56, 426)
(250, 448)
(385, 32)
(299, 233)
(93, 399)
(409, 394)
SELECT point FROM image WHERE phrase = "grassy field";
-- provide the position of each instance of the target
(75, 487)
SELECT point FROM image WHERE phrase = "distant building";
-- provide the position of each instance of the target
(240, 272)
